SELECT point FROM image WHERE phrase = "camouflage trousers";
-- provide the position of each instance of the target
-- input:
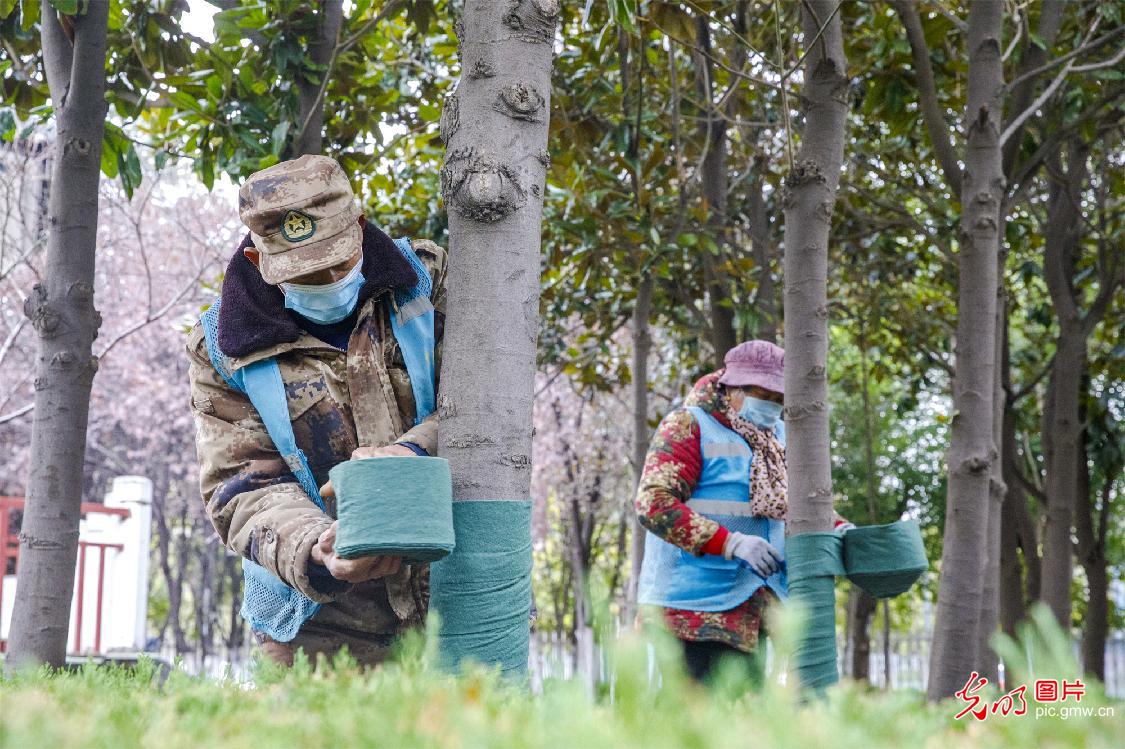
(366, 648)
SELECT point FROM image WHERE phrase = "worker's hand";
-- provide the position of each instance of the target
(387, 451)
(756, 551)
(844, 527)
(351, 570)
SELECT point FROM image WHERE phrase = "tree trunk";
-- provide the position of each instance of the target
(1016, 531)
(1061, 419)
(862, 607)
(810, 197)
(310, 95)
(713, 176)
(1091, 554)
(495, 132)
(956, 653)
(990, 583)
(61, 308)
(642, 345)
(766, 299)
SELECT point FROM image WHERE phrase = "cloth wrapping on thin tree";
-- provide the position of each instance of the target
(394, 506)
(884, 560)
(481, 592)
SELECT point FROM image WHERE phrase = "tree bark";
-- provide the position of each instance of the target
(61, 308)
(714, 180)
(310, 95)
(1061, 419)
(956, 653)
(766, 299)
(990, 583)
(810, 198)
(495, 131)
(1092, 556)
(860, 610)
(642, 345)
(1016, 529)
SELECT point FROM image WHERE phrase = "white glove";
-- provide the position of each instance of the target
(756, 551)
(844, 527)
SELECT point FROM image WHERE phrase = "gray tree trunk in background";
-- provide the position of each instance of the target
(1063, 454)
(1017, 531)
(714, 181)
(495, 131)
(956, 652)
(61, 308)
(766, 297)
(310, 95)
(810, 198)
(642, 345)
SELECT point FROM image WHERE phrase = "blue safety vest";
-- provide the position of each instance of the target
(674, 578)
(268, 604)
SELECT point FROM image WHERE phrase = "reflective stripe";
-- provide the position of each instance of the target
(721, 507)
(409, 311)
(725, 449)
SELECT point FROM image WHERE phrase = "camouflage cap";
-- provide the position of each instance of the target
(301, 215)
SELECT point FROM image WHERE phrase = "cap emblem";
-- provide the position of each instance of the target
(297, 226)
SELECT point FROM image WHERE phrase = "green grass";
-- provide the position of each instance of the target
(410, 704)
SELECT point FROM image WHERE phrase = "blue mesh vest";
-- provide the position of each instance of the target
(674, 578)
(268, 604)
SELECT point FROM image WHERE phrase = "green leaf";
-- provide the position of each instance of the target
(1038, 41)
(133, 167)
(6, 7)
(110, 154)
(7, 124)
(65, 7)
(278, 136)
(29, 13)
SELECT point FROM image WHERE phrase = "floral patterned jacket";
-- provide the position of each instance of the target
(671, 471)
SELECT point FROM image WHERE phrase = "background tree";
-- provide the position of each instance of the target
(61, 309)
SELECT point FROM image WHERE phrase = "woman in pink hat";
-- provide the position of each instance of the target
(713, 500)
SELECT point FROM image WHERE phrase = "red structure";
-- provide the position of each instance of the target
(9, 561)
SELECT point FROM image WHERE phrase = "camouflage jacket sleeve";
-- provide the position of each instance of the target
(434, 258)
(253, 500)
(671, 471)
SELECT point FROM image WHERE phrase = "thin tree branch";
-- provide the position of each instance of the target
(12, 416)
(388, 10)
(815, 39)
(927, 94)
(1087, 47)
(1023, 116)
(1110, 63)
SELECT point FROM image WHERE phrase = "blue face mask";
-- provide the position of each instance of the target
(326, 303)
(761, 413)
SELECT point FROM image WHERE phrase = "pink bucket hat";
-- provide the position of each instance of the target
(758, 363)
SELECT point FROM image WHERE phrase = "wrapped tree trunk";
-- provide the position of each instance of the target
(495, 131)
(810, 198)
(61, 308)
(956, 652)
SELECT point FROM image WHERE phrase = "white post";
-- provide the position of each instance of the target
(127, 584)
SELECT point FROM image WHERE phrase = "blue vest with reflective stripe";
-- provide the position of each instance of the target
(268, 604)
(674, 578)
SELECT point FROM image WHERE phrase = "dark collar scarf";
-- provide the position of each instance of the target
(253, 314)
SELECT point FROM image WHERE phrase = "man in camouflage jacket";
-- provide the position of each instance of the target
(349, 395)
